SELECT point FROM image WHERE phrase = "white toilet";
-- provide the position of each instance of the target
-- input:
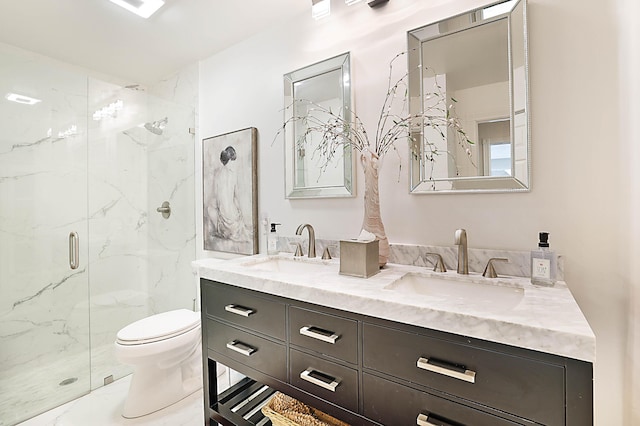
(165, 351)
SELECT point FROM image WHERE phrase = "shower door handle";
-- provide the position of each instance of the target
(74, 250)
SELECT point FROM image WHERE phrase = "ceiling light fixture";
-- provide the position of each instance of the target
(376, 3)
(320, 8)
(22, 99)
(110, 110)
(350, 2)
(71, 131)
(144, 8)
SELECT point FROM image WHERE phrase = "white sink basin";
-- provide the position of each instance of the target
(459, 293)
(289, 266)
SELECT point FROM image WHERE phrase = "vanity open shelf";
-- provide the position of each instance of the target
(368, 370)
(240, 404)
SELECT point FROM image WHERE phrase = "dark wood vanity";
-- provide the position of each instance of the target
(370, 371)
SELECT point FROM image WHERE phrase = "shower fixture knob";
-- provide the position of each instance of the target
(165, 209)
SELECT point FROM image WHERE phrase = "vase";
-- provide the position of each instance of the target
(372, 221)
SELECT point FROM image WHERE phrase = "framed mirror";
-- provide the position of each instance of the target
(478, 62)
(322, 86)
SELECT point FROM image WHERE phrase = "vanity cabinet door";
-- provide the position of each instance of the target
(253, 351)
(245, 308)
(525, 387)
(328, 334)
(390, 403)
(325, 379)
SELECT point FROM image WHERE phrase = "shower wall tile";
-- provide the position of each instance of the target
(118, 224)
(180, 87)
(171, 178)
(138, 259)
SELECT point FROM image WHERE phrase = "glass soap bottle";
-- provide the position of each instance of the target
(544, 263)
(272, 240)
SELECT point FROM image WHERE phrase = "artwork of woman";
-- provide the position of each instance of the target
(228, 192)
(225, 214)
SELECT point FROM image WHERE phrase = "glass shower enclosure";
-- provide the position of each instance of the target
(97, 226)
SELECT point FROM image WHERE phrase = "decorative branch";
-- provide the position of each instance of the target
(344, 129)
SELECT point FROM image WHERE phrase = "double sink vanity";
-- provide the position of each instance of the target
(406, 346)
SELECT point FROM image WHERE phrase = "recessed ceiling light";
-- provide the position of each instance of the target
(21, 99)
(144, 8)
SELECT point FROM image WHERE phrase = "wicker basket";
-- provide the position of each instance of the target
(283, 410)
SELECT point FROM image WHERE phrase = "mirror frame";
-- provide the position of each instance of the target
(347, 189)
(476, 184)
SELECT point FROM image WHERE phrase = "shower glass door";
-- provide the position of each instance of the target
(84, 250)
(44, 309)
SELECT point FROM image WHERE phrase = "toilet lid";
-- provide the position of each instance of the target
(159, 327)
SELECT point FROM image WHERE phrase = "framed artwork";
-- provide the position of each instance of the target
(230, 192)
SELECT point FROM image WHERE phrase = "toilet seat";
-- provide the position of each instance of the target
(159, 327)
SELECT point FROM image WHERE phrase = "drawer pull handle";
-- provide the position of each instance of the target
(241, 348)
(319, 334)
(429, 419)
(239, 310)
(450, 370)
(320, 379)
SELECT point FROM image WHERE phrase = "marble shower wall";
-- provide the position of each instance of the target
(171, 242)
(118, 222)
(141, 260)
(171, 178)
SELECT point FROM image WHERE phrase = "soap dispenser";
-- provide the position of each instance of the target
(272, 240)
(544, 263)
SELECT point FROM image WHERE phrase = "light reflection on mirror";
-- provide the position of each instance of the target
(324, 85)
(498, 9)
(494, 148)
(478, 59)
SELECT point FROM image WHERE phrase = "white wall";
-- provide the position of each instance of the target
(581, 172)
(629, 85)
(475, 105)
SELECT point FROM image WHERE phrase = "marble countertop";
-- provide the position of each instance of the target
(545, 319)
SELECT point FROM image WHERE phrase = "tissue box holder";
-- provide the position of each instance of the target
(359, 258)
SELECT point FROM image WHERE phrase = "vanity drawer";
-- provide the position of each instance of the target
(325, 379)
(328, 334)
(248, 349)
(245, 308)
(521, 386)
(390, 403)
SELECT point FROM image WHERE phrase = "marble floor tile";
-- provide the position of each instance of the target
(39, 385)
(103, 406)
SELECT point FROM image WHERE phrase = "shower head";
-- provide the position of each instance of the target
(153, 129)
(157, 127)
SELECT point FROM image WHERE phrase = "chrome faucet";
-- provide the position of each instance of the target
(312, 238)
(463, 255)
